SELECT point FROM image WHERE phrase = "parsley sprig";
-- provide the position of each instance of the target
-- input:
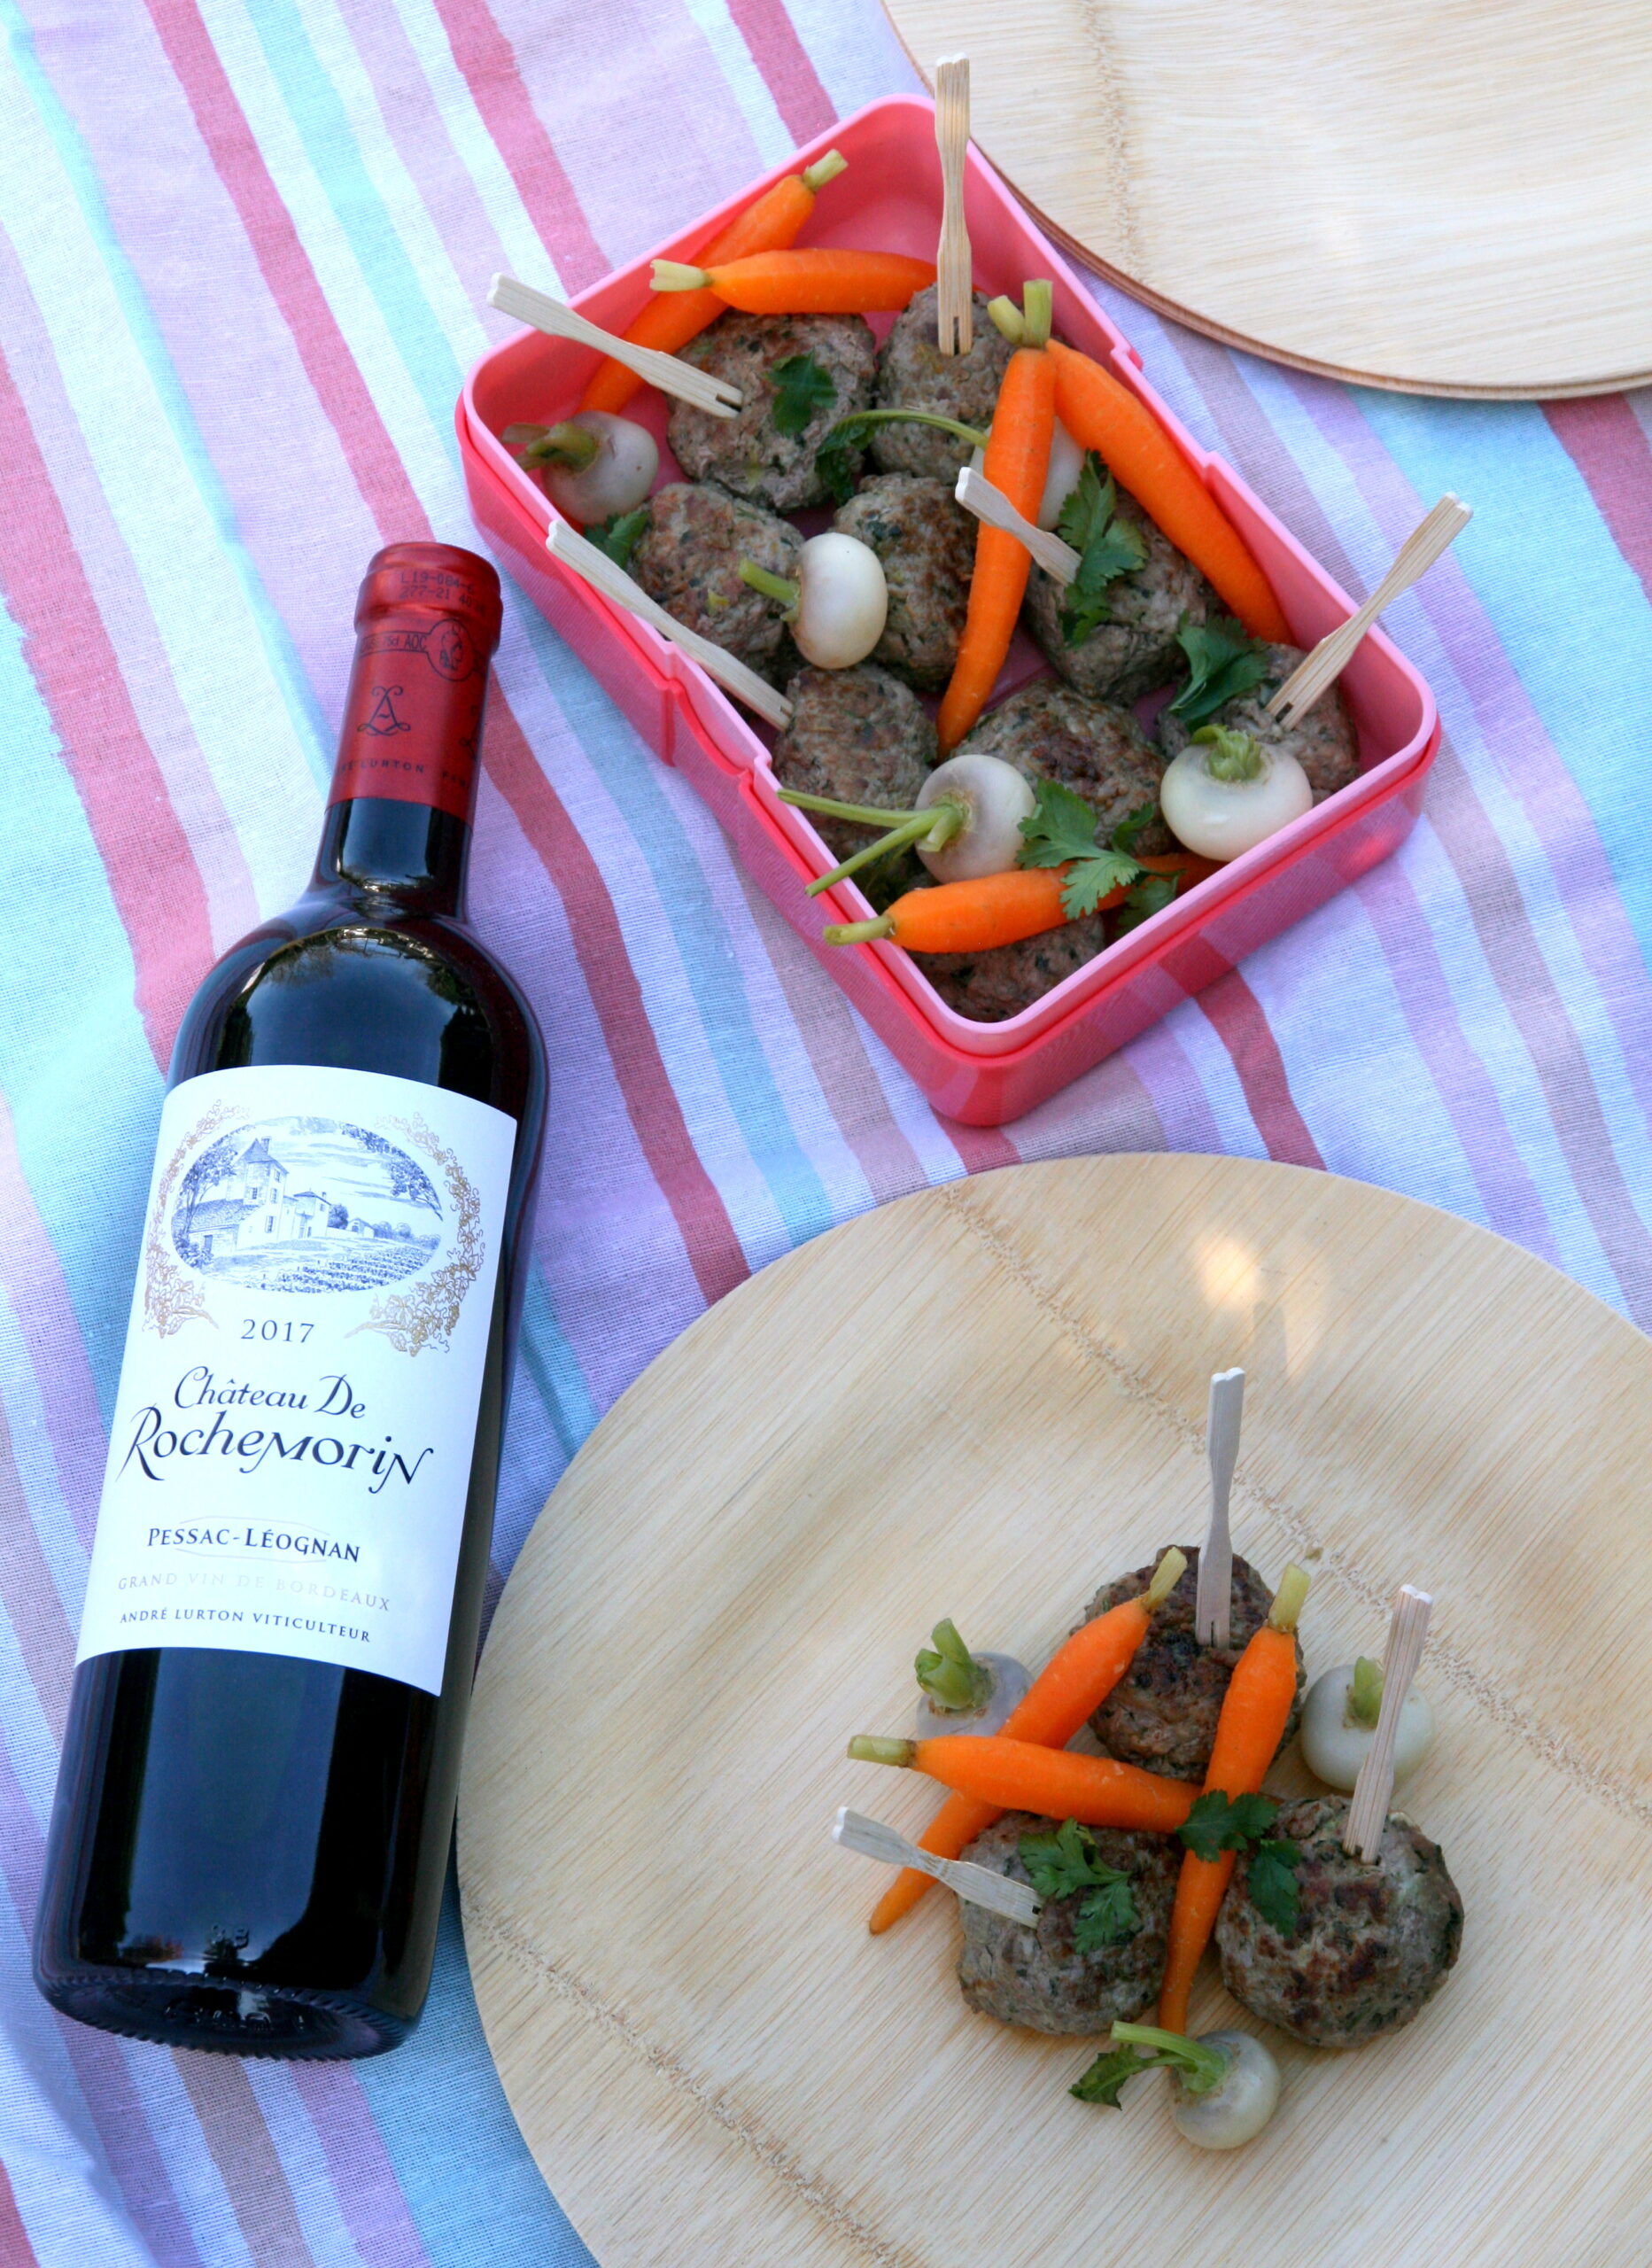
(802, 387)
(1061, 830)
(1107, 547)
(618, 535)
(1223, 663)
(1063, 1864)
(1218, 1822)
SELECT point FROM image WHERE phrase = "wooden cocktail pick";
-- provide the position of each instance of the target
(976, 493)
(1407, 1631)
(954, 327)
(715, 396)
(1325, 665)
(564, 543)
(1017, 1901)
(1213, 1601)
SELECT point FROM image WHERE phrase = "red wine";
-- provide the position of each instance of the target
(257, 1790)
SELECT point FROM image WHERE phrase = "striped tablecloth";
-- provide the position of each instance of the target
(242, 248)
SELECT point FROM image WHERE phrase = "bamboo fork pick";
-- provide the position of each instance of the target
(715, 396)
(1329, 659)
(954, 281)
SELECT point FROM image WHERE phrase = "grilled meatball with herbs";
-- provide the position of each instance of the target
(914, 373)
(797, 375)
(927, 542)
(992, 986)
(1323, 742)
(859, 737)
(1163, 1712)
(1370, 1946)
(688, 559)
(1135, 651)
(1038, 1977)
(1050, 731)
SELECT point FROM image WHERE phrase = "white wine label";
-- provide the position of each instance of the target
(297, 1414)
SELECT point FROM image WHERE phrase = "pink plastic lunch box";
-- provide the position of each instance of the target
(984, 1073)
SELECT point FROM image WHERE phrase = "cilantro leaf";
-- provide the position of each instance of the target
(837, 460)
(1108, 2073)
(1145, 898)
(802, 387)
(1108, 1915)
(1094, 878)
(1060, 1863)
(1061, 826)
(1223, 663)
(1218, 1823)
(1107, 547)
(1271, 1880)
(1129, 831)
(618, 535)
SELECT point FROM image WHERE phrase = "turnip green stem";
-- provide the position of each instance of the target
(1365, 1694)
(863, 814)
(1288, 1599)
(674, 276)
(858, 933)
(1167, 1576)
(1006, 319)
(973, 434)
(1233, 756)
(1038, 302)
(931, 830)
(574, 446)
(772, 586)
(874, 1748)
(1198, 2068)
(950, 1675)
(824, 169)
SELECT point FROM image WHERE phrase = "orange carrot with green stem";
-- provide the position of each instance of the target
(1255, 1709)
(1024, 1776)
(973, 917)
(1075, 1682)
(1016, 462)
(815, 281)
(672, 318)
(1104, 416)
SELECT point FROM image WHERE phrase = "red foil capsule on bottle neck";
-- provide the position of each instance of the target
(427, 624)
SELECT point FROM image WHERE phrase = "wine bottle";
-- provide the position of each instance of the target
(256, 1795)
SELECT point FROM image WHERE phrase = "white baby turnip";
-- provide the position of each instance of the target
(593, 464)
(1339, 1721)
(838, 603)
(1225, 2084)
(1226, 793)
(962, 1692)
(967, 821)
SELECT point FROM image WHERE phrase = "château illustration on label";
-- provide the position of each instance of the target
(256, 1795)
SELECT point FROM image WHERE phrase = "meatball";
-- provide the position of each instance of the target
(1323, 742)
(859, 737)
(1037, 1977)
(991, 986)
(1163, 1712)
(1136, 651)
(1371, 1946)
(914, 373)
(927, 542)
(688, 559)
(748, 452)
(1047, 731)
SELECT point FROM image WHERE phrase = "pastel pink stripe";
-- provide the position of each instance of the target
(243, 2149)
(15, 2251)
(1604, 441)
(30, 1597)
(153, 879)
(484, 56)
(369, 2195)
(1236, 1016)
(1176, 1092)
(783, 59)
(52, 1335)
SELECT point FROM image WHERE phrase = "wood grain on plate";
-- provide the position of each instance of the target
(981, 1401)
(1442, 195)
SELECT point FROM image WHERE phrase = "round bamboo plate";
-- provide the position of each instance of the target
(980, 1401)
(1436, 196)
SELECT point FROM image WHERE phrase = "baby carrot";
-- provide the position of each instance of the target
(1103, 415)
(1255, 1713)
(811, 282)
(993, 910)
(671, 319)
(1016, 462)
(1075, 1682)
(1022, 1775)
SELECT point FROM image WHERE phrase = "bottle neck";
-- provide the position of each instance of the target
(384, 855)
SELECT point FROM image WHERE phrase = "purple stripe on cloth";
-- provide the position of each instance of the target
(1513, 1206)
(1108, 1110)
(1175, 1091)
(98, 2062)
(30, 1597)
(57, 1354)
(380, 2227)
(233, 2128)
